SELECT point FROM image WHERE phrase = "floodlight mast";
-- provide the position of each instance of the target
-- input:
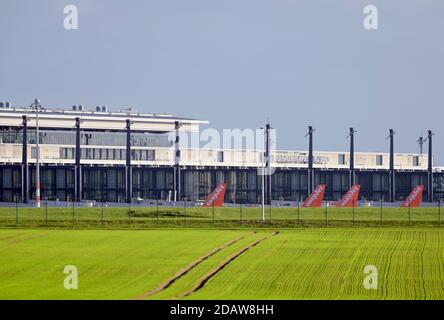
(268, 169)
(262, 173)
(263, 191)
(37, 108)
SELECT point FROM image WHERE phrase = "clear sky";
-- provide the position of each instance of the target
(237, 63)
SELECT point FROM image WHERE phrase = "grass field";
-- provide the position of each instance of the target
(301, 263)
(149, 217)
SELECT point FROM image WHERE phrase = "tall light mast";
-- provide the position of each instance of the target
(37, 108)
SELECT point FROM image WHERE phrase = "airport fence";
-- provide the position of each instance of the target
(184, 214)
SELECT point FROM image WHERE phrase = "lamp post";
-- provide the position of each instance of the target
(263, 190)
(262, 174)
(37, 108)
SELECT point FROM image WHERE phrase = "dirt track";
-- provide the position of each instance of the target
(185, 270)
(201, 282)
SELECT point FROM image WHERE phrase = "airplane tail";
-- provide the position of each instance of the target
(350, 198)
(315, 198)
(414, 199)
(216, 198)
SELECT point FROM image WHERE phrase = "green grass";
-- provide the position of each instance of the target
(329, 264)
(149, 217)
(302, 263)
(112, 264)
(186, 282)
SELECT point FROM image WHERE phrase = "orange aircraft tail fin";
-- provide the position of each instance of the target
(216, 198)
(314, 200)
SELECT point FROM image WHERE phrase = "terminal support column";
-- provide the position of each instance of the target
(430, 169)
(129, 180)
(310, 160)
(392, 182)
(78, 168)
(25, 171)
(177, 162)
(352, 158)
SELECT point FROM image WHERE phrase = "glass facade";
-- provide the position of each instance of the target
(10, 183)
(104, 154)
(244, 185)
(68, 137)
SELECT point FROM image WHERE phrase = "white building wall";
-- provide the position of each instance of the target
(51, 154)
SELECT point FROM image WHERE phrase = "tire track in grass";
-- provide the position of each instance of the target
(202, 281)
(24, 239)
(187, 269)
(188, 281)
(12, 242)
(12, 236)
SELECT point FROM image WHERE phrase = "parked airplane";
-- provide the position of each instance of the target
(414, 199)
(315, 198)
(216, 198)
(350, 199)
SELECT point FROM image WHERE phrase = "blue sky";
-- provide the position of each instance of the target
(237, 63)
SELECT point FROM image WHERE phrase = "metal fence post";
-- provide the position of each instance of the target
(439, 211)
(353, 208)
(73, 213)
(381, 212)
(46, 212)
(326, 213)
(241, 213)
(410, 222)
(185, 211)
(129, 214)
(157, 204)
(299, 213)
(213, 214)
(102, 214)
(16, 211)
(270, 212)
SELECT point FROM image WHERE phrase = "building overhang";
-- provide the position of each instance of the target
(97, 121)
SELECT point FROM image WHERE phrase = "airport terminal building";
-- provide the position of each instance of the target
(124, 156)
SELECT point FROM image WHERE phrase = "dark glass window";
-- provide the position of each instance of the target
(379, 160)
